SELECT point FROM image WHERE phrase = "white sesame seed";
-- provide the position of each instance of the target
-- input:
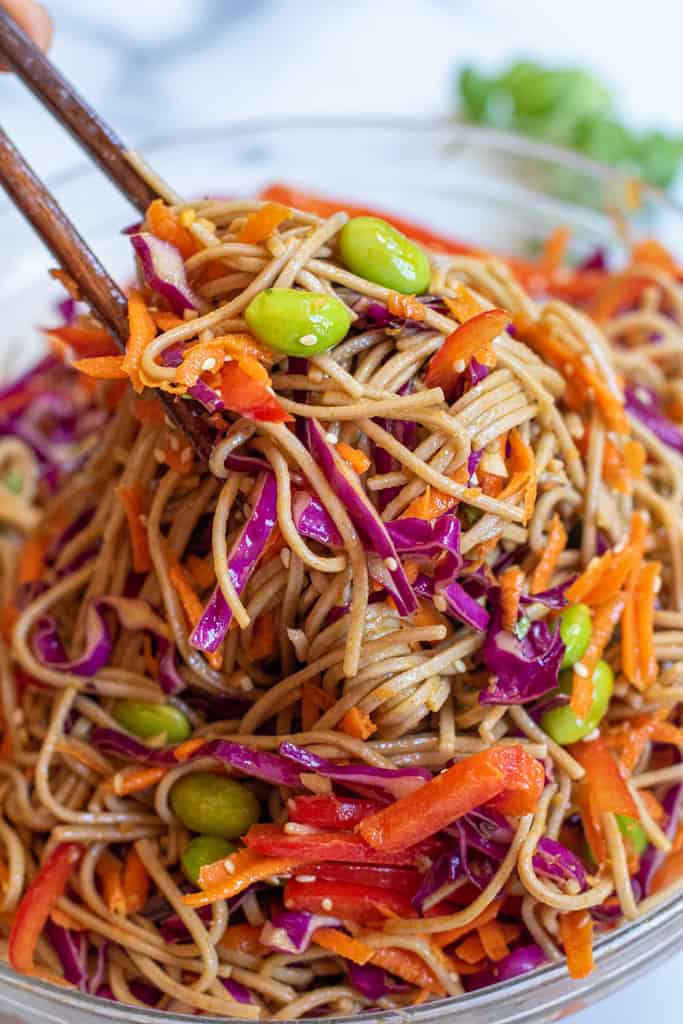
(391, 564)
(229, 866)
(330, 438)
(440, 603)
(643, 396)
(459, 365)
(209, 364)
(308, 340)
(206, 335)
(474, 479)
(581, 670)
(658, 585)
(460, 666)
(306, 878)
(294, 828)
(327, 904)
(591, 735)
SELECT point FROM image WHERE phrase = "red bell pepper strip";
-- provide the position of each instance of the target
(524, 780)
(330, 812)
(405, 880)
(272, 841)
(39, 899)
(250, 397)
(607, 786)
(86, 342)
(366, 905)
(460, 789)
(460, 346)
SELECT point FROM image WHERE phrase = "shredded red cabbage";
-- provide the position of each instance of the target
(372, 982)
(446, 868)
(523, 960)
(523, 670)
(163, 269)
(397, 782)
(643, 403)
(290, 931)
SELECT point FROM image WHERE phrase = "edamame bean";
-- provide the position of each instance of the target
(297, 322)
(375, 250)
(632, 831)
(204, 850)
(561, 723)
(576, 627)
(214, 804)
(147, 720)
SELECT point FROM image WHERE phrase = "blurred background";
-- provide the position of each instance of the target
(160, 67)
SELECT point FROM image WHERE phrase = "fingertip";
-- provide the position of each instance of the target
(33, 18)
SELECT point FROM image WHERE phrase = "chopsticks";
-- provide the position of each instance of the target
(43, 212)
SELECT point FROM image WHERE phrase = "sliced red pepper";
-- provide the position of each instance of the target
(460, 789)
(250, 397)
(85, 341)
(363, 904)
(606, 785)
(39, 899)
(460, 346)
(330, 812)
(399, 879)
(524, 780)
(273, 841)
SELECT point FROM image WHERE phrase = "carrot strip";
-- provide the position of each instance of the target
(522, 466)
(184, 751)
(163, 223)
(32, 560)
(604, 623)
(649, 250)
(427, 615)
(591, 822)
(356, 723)
(133, 504)
(343, 945)
(260, 224)
(668, 872)
(219, 883)
(263, 637)
(108, 869)
(356, 458)
(83, 757)
(6, 747)
(243, 938)
(313, 700)
(471, 949)
(101, 367)
(135, 882)
(133, 782)
(645, 594)
(201, 570)
(576, 931)
(511, 582)
(464, 305)
(405, 306)
(191, 605)
(409, 966)
(493, 940)
(466, 341)
(556, 543)
(141, 331)
(555, 249)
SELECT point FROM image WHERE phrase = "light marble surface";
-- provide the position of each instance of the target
(153, 67)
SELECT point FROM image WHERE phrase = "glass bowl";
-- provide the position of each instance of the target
(485, 187)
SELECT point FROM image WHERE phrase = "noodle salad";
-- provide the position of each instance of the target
(381, 705)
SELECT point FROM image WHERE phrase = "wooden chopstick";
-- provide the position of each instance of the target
(101, 292)
(58, 95)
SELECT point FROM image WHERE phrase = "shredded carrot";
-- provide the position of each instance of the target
(555, 545)
(9, 613)
(464, 305)
(494, 940)
(491, 484)
(668, 872)
(405, 306)
(313, 700)
(82, 755)
(191, 605)
(490, 912)
(6, 746)
(604, 623)
(427, 615)
(511, 582)
(108, 870)
(201, 570)
(136, 882)
(184, 751)
(522, 467)
(604, 576)
(356, 723)
(178, 456)
(471, 949)
(141, 331)
(32, 560)
(576, 931)
(343, 945)
(133, 504)
(621, 291)
(243, 938)
(65, 920)
(164, 320)
(163, 223)
(677, 843)
(356, 458)
(101, 367)
(219, 883)
(653, 806)
(409, 966)
(621, 466)
(555, 249)
(151, 662)
(263, 637)
(124, 783)
(645, 595)
(649, 250)
(260, 224)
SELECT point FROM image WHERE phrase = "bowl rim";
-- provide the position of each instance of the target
(606, 946)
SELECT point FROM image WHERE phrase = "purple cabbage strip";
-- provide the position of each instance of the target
(556, 861)
(555, 597)
(446, 868)
(164, 272)
(397, 782)
(312, 520)
(291, 931)
(523, 669)
(404, 431)
(209, 632)
(365, 519)
(523, 960)
(372, 982)
(240, 993)
(71, 948)
(643, 403)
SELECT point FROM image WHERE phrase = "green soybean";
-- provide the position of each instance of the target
(214, 804)
(561, 723)
(147, 720)
(375, 250)
(576, 627)
(297, 322)
(204, 850)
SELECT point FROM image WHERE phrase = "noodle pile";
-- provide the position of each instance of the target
(115, 538)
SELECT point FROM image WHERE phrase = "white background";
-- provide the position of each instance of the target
(154, 66)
